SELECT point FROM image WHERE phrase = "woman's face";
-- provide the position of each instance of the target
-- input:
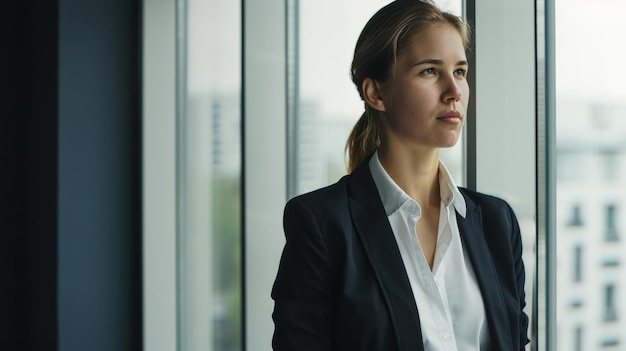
(425, 99)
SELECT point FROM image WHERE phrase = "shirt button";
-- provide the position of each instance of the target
(445, 336)
(440, 282)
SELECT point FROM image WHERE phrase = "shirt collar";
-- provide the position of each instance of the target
(393, 197)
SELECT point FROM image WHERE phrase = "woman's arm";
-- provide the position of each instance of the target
(302, 288)
(516, 246)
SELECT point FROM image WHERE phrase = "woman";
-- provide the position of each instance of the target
(395, 256)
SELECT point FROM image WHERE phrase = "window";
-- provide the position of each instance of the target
(322, 114)
(209, 175)
(611, 262)
(613, 342)
(589, 149)
(576, 219)
(610, 309)
(610, 223)
(578, 339)
(578, 266)
(577, 303)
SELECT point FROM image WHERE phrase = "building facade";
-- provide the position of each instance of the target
(591, 207)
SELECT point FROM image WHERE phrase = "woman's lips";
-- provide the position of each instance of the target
(452, 117)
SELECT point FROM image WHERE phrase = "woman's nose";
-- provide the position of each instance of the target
(452, 90)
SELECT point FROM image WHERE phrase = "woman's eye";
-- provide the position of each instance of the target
(428, 71)
(460, 72)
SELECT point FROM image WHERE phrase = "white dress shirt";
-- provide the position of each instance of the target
(449, 302)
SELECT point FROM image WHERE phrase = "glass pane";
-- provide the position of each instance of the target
(327, 105)
(209, 173)
(591, 175)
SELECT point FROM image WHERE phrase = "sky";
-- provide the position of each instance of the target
(590, 49)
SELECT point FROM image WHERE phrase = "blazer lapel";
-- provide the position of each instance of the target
(373, 228)
(472, 236)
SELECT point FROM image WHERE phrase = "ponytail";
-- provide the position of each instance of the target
(364, 138)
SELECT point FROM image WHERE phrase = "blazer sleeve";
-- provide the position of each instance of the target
(516, 245)
(301, 290)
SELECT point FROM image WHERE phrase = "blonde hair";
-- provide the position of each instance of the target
(383, 38)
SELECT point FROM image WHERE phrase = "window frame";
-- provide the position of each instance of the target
(159, 175)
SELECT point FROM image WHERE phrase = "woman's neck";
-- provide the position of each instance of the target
(415, 171)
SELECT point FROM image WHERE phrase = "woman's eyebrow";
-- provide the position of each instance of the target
(438, 62)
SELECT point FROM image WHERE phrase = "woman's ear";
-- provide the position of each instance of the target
(372, 95)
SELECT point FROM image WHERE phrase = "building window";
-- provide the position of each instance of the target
(610, 305)
(576, 303)
(578, 338)
(576, 217)
(610, 342)
(611, 262)
(578, 267)
(610, 220)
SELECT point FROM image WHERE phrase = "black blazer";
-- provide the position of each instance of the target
(341, 283)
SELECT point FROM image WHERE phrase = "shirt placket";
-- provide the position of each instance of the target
(434, 286)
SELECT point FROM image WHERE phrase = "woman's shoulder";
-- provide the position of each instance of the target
(326, 197)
